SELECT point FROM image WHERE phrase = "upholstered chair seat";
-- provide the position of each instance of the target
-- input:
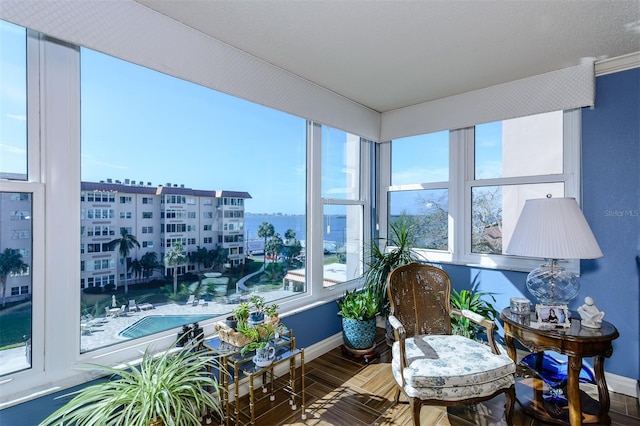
(451, 368)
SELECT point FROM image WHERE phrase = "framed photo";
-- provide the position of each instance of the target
(552, 316)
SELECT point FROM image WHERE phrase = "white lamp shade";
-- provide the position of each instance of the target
(553, 228)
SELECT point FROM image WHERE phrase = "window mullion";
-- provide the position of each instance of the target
(314, 266)
(573, 153)
(461, 166)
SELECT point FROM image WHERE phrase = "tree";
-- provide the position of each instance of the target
(289, 236)
(10, 263)
(273, 246)
(136, 268)
(266, 231)
(486, 221)
(291, 246)
(125, 244)
(199, 257)
(173, 258)
(149, 262)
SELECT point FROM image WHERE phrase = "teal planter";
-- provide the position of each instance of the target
(359, 334)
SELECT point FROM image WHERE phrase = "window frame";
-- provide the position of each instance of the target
(460, 184)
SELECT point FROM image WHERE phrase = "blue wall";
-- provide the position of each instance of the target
(611, 203)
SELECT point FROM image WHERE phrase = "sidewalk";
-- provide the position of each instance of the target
(13, 360)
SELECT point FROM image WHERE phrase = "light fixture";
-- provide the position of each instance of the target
(553, 228)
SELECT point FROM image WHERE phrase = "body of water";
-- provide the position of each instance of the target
(334, 226)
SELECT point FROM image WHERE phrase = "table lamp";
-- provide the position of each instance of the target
(553, 228)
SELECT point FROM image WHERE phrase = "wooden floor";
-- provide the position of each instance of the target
(342, 390)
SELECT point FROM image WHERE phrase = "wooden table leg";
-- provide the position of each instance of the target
(511, 346)
(573, 389)
(603, 391)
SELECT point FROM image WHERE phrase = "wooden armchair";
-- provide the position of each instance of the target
(431, 366)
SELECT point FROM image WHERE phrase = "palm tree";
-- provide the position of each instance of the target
(125, 244)
(219, 256)
(173, 258)
(266, 231)
(199, 257)
(149, 262)
(274, 247)
(10, 263)
(136, 268)
(291, 247)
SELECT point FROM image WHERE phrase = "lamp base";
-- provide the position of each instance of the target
(552, 284)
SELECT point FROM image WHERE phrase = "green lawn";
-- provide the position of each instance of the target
(14, 325)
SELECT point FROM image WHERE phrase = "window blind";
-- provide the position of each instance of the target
(564, 89)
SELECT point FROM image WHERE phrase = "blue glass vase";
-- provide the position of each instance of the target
(551, 368)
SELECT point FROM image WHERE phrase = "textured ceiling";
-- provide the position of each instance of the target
(391, 54)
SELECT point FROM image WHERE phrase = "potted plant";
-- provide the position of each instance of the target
(271, 313)
(473, 301)
(173, 388)
(239, 316)
(257, 315)
(396, 252)
(358, 311)
(262, 337)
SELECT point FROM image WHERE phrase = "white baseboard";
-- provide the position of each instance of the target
(621, 384)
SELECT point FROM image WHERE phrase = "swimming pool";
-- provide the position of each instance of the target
(155, 323)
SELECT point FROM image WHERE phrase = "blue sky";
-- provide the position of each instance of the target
(139, 124)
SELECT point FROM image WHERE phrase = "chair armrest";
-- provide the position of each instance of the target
(489, 325)
(400, 334)
(398, 328)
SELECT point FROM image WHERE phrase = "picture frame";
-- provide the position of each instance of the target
(552, 316)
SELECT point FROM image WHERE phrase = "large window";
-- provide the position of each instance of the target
(514, 160)
(15, 283)
(185, 145)
(466, 212)
(16, 206)
(419, 195)
(343, 209)
(13, 102)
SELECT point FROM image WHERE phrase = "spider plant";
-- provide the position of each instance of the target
(174, 388)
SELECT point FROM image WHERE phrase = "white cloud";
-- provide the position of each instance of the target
(17, 117)
(12, 149)
(90, 160)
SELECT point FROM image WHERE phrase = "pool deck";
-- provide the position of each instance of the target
(105, 331)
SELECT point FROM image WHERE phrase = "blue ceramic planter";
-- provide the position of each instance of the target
(359, 334)
(256, 318)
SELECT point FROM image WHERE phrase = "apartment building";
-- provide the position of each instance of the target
(157, 216)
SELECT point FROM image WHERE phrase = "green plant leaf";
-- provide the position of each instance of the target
(173, 386)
